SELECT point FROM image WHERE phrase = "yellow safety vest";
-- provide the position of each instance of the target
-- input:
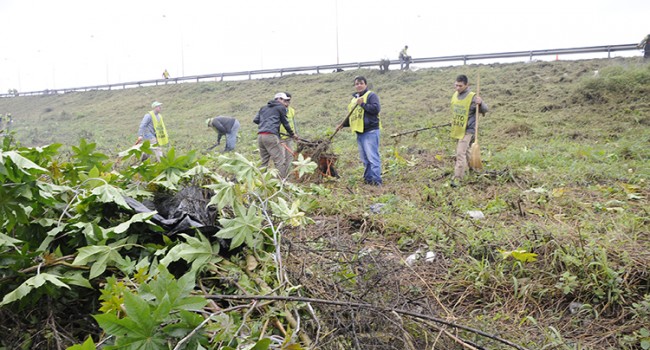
(291, 113)
(460, 114)
(159, 127)
(356, 117)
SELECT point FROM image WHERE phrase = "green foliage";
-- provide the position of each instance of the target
(565, 178)
(143, 305)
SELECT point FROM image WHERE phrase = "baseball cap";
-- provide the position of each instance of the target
(156, 104)
(281, 95)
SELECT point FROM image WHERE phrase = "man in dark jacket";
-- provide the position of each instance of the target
(228, 126)
(268, 120)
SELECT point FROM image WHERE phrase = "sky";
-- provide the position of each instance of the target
(48, 44)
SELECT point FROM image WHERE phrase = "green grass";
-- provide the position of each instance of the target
(566, 177)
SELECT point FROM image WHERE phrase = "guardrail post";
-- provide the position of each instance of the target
(530, 58)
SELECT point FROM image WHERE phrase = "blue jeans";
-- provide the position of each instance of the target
(231, 137)
(369, 153)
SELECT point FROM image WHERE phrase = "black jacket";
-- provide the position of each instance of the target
(270, 116)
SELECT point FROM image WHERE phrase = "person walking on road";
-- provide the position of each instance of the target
(463, 110)
(268, 120)
(364, 121)
(227, 126)
(285, 140)
(404, 58)
(152, 128)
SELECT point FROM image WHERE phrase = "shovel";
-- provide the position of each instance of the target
(475, 150)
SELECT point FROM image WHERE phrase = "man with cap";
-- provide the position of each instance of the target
(153, 128)
(223, 125)
(268, 120)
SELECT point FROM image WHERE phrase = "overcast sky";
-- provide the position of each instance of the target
(54, 44)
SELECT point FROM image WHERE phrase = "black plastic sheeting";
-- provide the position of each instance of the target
(183, 211)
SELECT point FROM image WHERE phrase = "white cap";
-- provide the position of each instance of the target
(156, 104)
(281, 95)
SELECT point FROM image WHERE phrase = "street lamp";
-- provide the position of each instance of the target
(336, 7)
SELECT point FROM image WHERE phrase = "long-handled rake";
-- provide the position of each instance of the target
(475, 150)
(323, 146)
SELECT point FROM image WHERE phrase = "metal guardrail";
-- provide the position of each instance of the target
(335, 67)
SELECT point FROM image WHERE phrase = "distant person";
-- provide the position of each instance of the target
(404, 58)
(153, 128)
(268, 120)
(463, 110)
(364, 121)
(227, 126)
(384, 64)
(165, 74)
(285, 140)
(645, 46)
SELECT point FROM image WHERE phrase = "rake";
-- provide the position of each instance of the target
(475, 150)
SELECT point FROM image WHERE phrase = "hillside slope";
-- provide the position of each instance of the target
(559, 261)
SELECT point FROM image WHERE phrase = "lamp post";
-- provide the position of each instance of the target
(336, 14)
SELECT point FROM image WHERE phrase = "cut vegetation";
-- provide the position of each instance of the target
(548, 247)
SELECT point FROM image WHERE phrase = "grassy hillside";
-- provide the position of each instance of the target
(560, 260)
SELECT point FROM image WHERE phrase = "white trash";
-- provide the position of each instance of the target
(411, 259)
(476, 214)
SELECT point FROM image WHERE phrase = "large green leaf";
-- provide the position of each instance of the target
(109, 194)
(245, 223)
(101, 255)
(21, 162)
(140, 217)
(197, 250)
(8, 241)
(31, 284)
(225, 193)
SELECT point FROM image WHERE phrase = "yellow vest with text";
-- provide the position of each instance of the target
(291, 113)
(356, 117)
(460, 114)
(159, 127)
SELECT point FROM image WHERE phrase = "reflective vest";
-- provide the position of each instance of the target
(460, 114)
(159, 127)
(356, 117)
(291, 113)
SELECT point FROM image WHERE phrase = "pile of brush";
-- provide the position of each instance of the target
(318, 151)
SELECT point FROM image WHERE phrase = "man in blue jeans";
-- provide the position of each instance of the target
(364, 120)
(227, 126)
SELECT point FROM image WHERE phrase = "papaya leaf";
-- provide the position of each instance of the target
(197, 251)
(21, 162)
(109, 194)
(245, 223)
(31, 284)
(304, 166)
(101, 255)
(140, 217)
(8, 241)
(225, 194)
